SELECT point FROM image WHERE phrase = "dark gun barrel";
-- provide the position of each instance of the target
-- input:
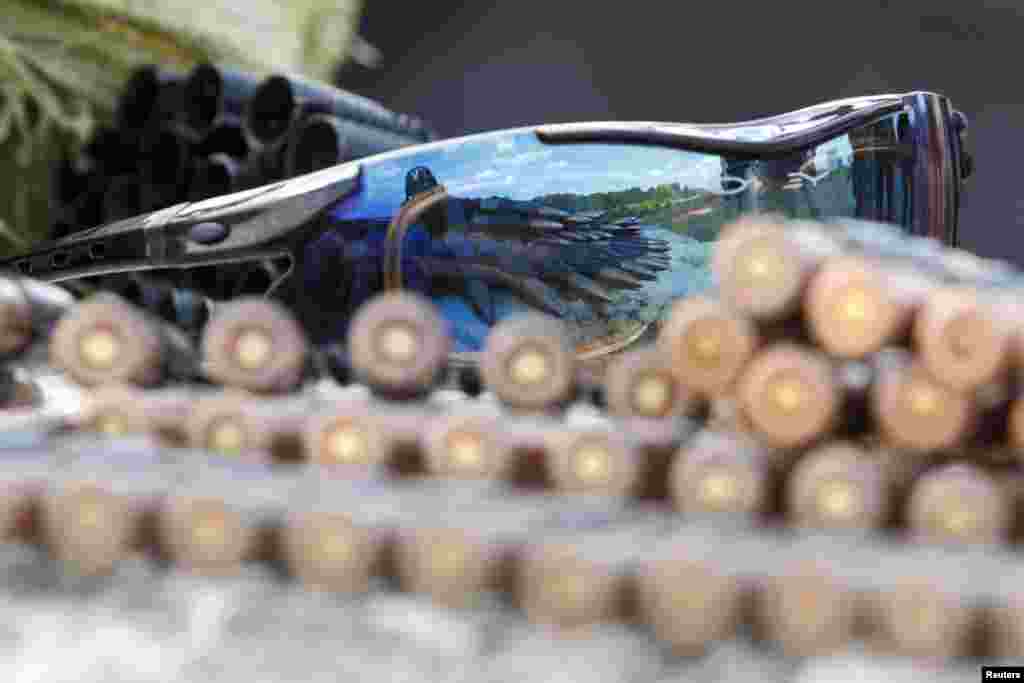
(320, 141)
(147, 96)
(124, 198)
(225, 136)
(217, 175)
(212, 92)
(265, 165)
(165, 159)
(280, 100)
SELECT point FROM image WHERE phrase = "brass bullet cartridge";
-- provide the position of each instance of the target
(93, 507)
(855, 306)
(706, 345)
(790, 395)
(1005, 629)
(688, 604)
(206, 536)
(325, 550)
(26, 467)
(641, 383)
(118, 410)
(349, 439)
(762, 265)
(28, 308)
(466, 443)
(961, 340)
(959, 502)
(528, 363)
(450, 565)
(807, 612)
(593, 460)
(104, 340)
(913, 411)
(721, 473)
(89, 527)
(578, 571)
(235, 423)
(256, 345)
(838, 486)
(398, 344)
(918, 619)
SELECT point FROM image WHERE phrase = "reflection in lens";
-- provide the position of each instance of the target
(605, 237)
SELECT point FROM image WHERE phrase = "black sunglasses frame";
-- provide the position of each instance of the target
(268, 222)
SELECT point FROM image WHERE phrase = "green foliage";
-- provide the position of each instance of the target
(63, 63)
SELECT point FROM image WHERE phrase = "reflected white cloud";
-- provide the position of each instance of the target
(523, 158)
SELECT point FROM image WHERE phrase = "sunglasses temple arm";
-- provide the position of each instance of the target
(934, 179)
(252, 224)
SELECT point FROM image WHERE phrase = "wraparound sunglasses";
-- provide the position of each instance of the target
(600, 224)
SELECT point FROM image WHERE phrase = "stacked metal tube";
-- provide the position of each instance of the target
(189, 136)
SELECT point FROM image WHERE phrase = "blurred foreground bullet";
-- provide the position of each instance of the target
(641, 383)
(28, 309)
(706, 345)
(398, 344)
(688, 604)
(807, 612)
(790, 395)
(959, 503)
(838, 486)
(721, 473)
(528, 363)
(763, 265)
(913, 411)
(104, 340)
(256, 345)
(855, 307)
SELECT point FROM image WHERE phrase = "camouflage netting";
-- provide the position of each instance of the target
(63, 62)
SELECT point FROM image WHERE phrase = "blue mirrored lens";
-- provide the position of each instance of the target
(603, 236)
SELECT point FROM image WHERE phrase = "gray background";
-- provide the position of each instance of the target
(469, 67)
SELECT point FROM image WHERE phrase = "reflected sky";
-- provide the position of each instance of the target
(519, 166)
